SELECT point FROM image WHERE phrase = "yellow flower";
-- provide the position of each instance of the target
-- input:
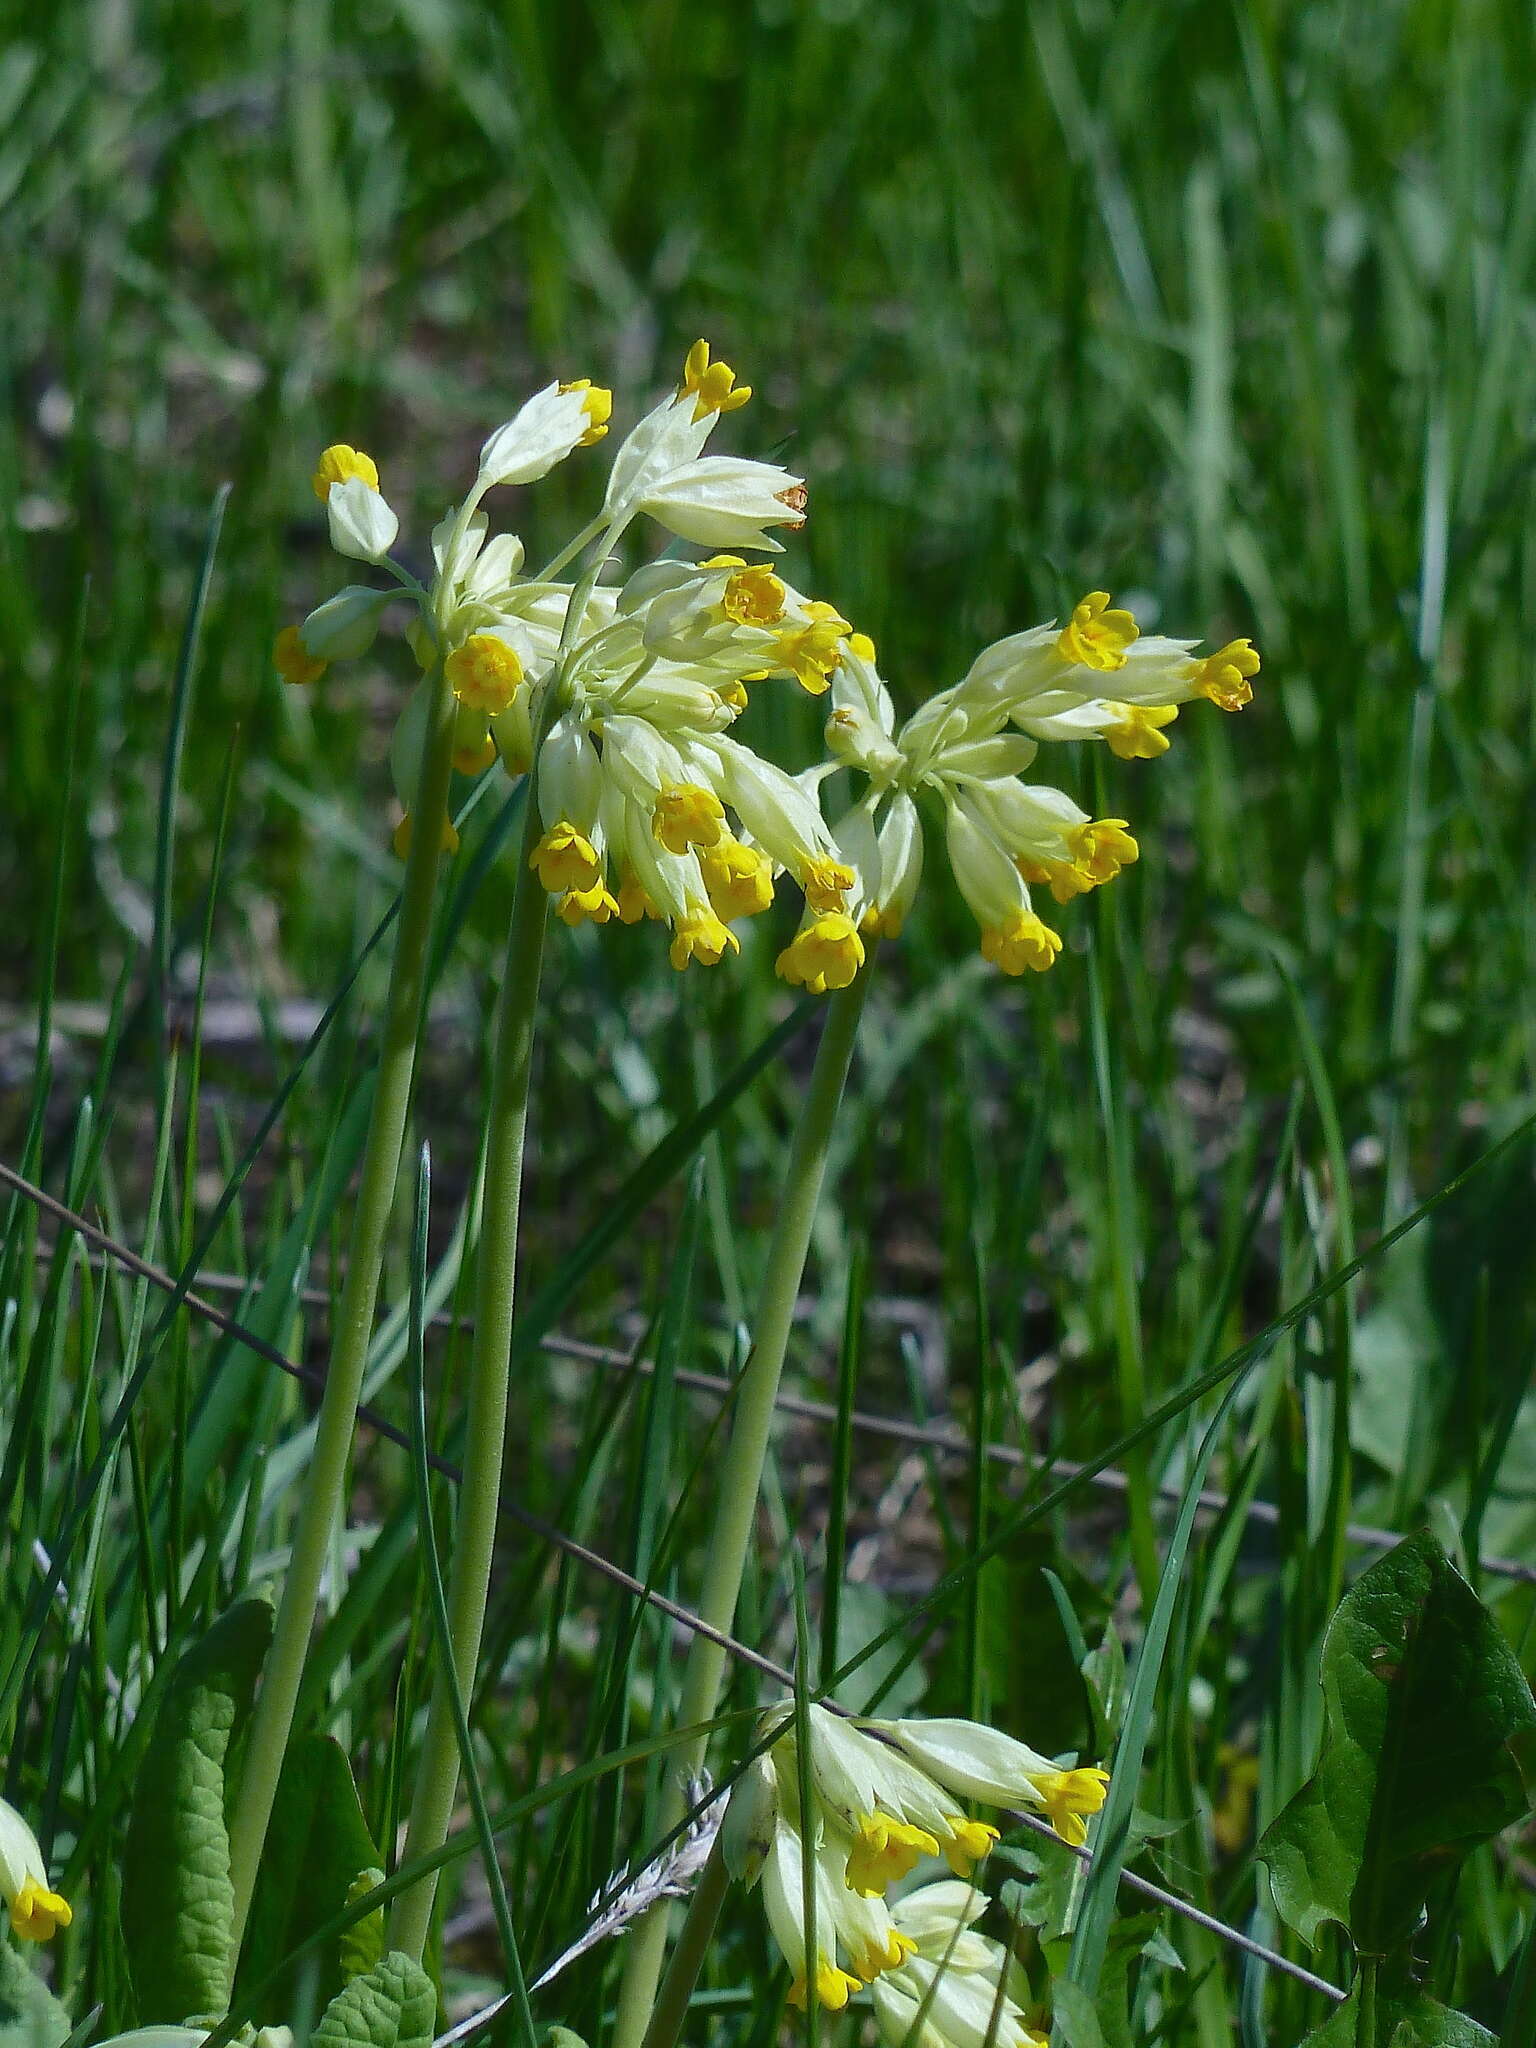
(1095, 636)
(36, 1911)
(1136, 734)
(1024, 941)
(448, 841)
(291, 661)
(834, 1988)
(340, 462)
(484, 673)
(566, 859)
(753, 596)
(825, 881)
(687, 815)
(633, 901)
(713, 386)
(739, 879)
(587, 906)
(475, 757)
(597, 405)
(1223, 676)
(810, 652)
(827, 953)
(1099, 849)
(969, 1841)
(1067, 1796)
(701, 937)
(884, 1851)
(1102, 847)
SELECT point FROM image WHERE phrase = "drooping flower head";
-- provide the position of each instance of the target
(885, 1796)
(967, 752)
(648, 807)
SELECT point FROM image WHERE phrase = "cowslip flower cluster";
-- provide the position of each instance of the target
(970, 746)
(626, 694)
(36, 1911)
(885, 1794)
(954, 1988)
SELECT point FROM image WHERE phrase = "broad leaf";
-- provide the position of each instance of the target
(177, 1899)
(392, 2005)
(1404, 2020)
(30, 2015)
(1428, 1722)
(317, 1845)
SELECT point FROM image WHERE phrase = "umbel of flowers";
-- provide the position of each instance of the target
(627, 693)
(969, 748)
(884, 1794)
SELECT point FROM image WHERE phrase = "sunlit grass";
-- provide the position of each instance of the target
(1228, 310)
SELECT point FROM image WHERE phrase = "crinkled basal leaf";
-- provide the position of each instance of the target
(317, 1843)
(1408, 2020)
(177, 1900)
(363, 1943)
(30, 2015)
(392, 2005)
(1430, 1732)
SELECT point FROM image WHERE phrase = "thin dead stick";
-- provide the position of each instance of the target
(595, 1562)
(921, 1436)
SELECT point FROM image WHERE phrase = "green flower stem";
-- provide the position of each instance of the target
(324, 1497)
(742, 1472)
(437, 1775)
(689, 1953)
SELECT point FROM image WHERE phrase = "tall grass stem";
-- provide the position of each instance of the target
(324, 1495)
(745, 1456)
(474, 1540)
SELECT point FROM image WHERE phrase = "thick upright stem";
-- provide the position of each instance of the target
(741, 1473)
(474, 1536)
(323, 1499)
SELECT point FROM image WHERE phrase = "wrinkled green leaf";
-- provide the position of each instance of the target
(392, 2005)
(1405, 2020)
(177, 1899)
(317, 1843)
(30, 2015)
(363, 1943)
(1428, 1717)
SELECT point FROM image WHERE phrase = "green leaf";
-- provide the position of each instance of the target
(1428, 1718)
(177, 1900)
(1076, 2022)
(30, 2015)
(392, 2005)
(1104, 1676)
(317, 1844)
(362, 1945)
(1404, 2020)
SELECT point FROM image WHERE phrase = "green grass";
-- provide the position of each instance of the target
(1227, 309)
